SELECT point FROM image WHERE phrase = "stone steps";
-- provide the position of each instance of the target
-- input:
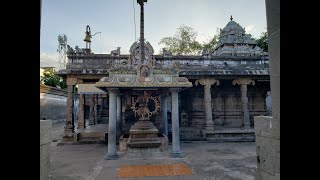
(231, 136)
(91, 137)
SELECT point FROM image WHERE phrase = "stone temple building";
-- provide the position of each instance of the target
(229, 87)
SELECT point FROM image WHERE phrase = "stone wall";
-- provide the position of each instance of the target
(267, 131)
(45, 140)
(53, 107)
(53, 104)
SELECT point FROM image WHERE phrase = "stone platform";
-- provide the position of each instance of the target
(94, 134)
(229, 135)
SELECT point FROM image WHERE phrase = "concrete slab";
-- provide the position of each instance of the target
(208, 161)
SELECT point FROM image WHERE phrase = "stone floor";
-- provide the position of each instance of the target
(207, 161)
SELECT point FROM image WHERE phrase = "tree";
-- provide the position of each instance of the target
(184, 42)
(263, 41)
(52, 79)
(211, 44)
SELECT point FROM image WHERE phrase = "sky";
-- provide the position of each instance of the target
(119, 22)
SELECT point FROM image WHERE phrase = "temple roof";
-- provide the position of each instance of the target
(232, 28)
(234, 41)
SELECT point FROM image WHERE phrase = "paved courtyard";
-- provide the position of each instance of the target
(207, 161)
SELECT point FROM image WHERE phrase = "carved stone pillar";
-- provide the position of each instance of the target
(91, 113)
(118, 116)
(95, 109)
(164, 110)
(175, 123)
(244, 82)
(112, 131)
(81, 120)
(69, 128)
(207, 82)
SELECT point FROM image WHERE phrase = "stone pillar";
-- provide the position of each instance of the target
(207, 82)
(267, 129)
(112, 148)
(45, 140)
(118, 116)
(175, 123)
(164, 110)
(81, 120)
(95, 109)
(244, 82)
(69, 128)
(85, 111)
(91, 115)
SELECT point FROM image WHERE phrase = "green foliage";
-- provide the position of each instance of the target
(51, 79)
(184, 42)
(263, 41)
(211, 44)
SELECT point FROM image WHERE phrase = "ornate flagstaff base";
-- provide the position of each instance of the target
(143, 140)
(143, 134)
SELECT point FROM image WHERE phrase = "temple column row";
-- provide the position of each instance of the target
(208, 82)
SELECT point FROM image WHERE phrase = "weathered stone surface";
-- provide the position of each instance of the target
(45, 131)
(273, 15)
(45, 140)
(268, 154)
(266, 126)
(53, 107)
(262, 175)
(44, 161)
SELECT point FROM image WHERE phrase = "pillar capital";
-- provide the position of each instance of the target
(207, 82)
(112, 90)
(243, 81)
(72, 81)
(174, 89)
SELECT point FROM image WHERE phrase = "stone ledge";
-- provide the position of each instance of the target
(45, 132)
(267, 126)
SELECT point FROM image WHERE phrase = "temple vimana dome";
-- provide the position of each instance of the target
(144, 100)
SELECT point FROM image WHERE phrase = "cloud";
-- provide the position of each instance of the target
(250, 29)
(49, 60)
